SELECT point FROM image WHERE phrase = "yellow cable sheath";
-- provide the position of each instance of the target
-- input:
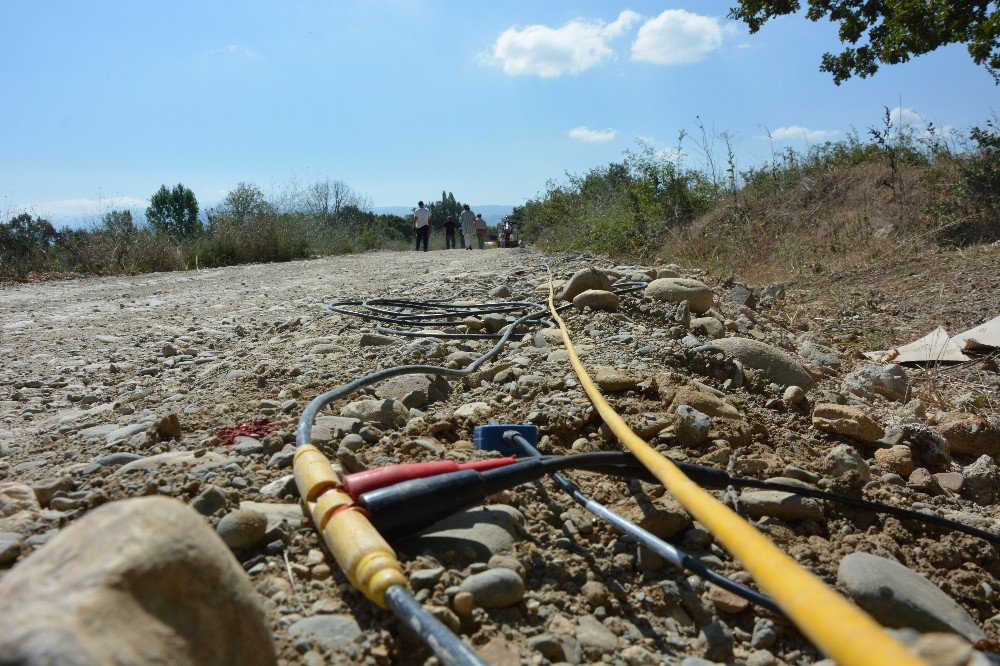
(840, 629)
(367, 560)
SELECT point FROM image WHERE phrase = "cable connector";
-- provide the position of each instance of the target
(490, 437)
(362, 482)
(362, 554)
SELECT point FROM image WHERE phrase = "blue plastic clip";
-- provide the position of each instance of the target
(490, 438)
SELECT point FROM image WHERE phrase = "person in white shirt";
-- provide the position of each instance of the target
(480, 230)
(468, 223)
(422, 224)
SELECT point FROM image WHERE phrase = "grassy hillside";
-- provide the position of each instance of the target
(830, 207)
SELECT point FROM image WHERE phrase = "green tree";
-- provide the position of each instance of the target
(25, 243)
(118, 223)
(890, 31)
(174, 212)
(440, 210)
(245, 203)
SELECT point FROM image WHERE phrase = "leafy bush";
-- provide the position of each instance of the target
(26, 243)
(828, 207)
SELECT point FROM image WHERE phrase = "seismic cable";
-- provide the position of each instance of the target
(837, 627)
(367, 560)
(672, 554)
(422, 511)
(364, 556)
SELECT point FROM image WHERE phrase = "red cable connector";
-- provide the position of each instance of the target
(380, 477)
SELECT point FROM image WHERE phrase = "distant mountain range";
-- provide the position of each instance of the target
(491, 213)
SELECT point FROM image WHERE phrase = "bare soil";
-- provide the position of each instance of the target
(223, 347)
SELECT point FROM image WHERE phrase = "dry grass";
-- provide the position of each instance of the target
(843, 217)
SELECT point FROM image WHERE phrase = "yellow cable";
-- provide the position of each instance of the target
(840, 629)
(362, 554)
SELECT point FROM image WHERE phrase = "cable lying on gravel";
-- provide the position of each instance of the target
(414, 318)
(839, 628)
(362, 554)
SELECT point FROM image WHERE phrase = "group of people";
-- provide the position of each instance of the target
(468, 226)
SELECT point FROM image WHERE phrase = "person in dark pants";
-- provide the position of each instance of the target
(449, 233)
(422, 224)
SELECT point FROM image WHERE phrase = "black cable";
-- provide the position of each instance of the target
(669, 552)
(445, 645)
(536, 312)
(625, 464)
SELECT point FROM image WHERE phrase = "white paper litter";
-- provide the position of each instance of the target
(984, 336)
(935, 347)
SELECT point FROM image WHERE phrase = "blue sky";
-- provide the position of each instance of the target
(106, 101)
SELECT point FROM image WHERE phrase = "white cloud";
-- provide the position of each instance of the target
(550, 52)
(620, 25)
(75, 208)
(798, 133)
(586, 134)
(906, 117)
(676, 37)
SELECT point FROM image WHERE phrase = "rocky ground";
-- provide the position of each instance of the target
(188, 386)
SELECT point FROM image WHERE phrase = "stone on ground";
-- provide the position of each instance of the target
(140, 581)
(897, 596)
(777, 365)
(971, 434)
(588, 278)
(242, 528)
(494, 588)
(847, 420)
(481, 533)
(781, 505)
(674, 290)
(889, 381)
(383, 412)
(597, 299)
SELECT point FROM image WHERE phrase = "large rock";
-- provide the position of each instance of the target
(483, 533)
(982, 481)
(889, 381)
(329, 632)
(195, 461)
(588, 278)
(415, 390)
(847, 469)
(596, 299)
(494, 588)
(674, 290)
(727, 421)
(846, 420)
(899, 597)
(819, 354)
(781, 505)
(140, 581)
(391, 413)
(971, 435)
(775, 364)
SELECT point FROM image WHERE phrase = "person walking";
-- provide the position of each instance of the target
(422, 225)
(480, 225)
(468, 222)
(449, 233)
